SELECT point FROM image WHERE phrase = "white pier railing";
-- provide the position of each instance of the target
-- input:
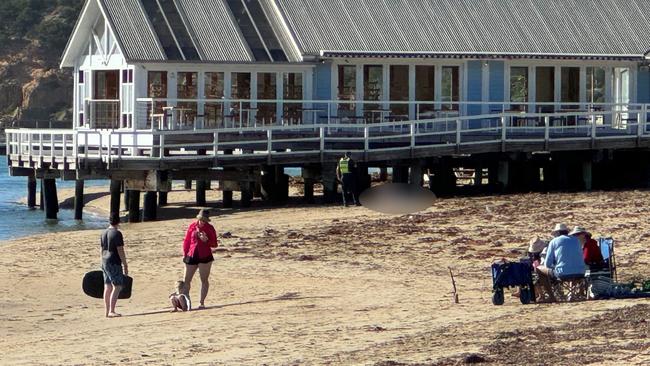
(543, 130)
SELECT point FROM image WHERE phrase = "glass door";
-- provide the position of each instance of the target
(621, 96)
(105, 106)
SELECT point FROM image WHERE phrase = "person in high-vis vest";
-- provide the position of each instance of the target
(345, 175)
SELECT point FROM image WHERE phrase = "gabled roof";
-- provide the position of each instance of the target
(557, 28)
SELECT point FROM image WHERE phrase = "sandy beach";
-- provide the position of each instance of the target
(311, 285)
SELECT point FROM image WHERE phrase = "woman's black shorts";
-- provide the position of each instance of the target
(196, 260)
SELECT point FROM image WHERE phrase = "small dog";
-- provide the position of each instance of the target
(181, 298)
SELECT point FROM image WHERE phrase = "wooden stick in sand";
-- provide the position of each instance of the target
(453, 284)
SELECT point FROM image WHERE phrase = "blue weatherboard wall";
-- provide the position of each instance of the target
(474, 85)
(322, 81)
(497, 73)
(643, 86)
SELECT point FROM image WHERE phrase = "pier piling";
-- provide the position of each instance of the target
(115, 188)
(134, 206)
(41, 205)
(51, 199)
(150, 208)
(246, 194)
(31, 192)
(200, 192)
(162, 199)
(78, 199)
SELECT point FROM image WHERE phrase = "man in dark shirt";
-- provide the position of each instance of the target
(113, 259)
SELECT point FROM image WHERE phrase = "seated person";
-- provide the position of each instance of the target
(592, 255)
(535, 248)
(563, 260)
(180, 299)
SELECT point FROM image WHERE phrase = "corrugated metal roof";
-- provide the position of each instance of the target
(134, 33)
(553, 27)
(209, 23)
(215, 31)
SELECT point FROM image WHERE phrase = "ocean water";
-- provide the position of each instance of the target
(16, 220)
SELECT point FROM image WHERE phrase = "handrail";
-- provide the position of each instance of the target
(111, 145)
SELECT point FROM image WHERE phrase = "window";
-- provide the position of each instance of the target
(186, 85)
(399, 89)
(347, 86)
(157, 84)
(213, 90)
(105, 110)
(240, 89)
(595, 79)
(186, 88)
(519, 87)
(156, 88)
(372, 90)
(425, 90)
(292, 90)
(266, 89)
(450, 87)
(570, 86)
(545, 88)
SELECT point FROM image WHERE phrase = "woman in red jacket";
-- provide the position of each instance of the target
(200, 239)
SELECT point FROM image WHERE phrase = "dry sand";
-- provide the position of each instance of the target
(309, 285)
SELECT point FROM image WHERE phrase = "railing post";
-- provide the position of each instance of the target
(322, 141)
(20, 143)
(640, 125)
(593, 130)
(161, 151)
(101, 146)
(547, 131)
(215, 144)
(413, 134)
(52, 146)
(119, 146)
(134, 144)
(65, 145)
(366, 142)
(503, 132)
(40, 144)
(269, 141)
(458, 128)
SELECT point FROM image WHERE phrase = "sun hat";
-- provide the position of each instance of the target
(204, 215)
(560, 227)
(536, 245)
(579, 230)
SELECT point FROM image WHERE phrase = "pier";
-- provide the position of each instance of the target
(598, 149)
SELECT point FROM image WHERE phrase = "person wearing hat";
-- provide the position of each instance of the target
(535, 248)
(345, 174)
(200, 239)
(559, 230)
(590, 249)
(563, 259)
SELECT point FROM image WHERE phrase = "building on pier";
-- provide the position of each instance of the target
(224, 89)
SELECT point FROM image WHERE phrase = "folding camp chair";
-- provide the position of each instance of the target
(571, 289)
(606, 246)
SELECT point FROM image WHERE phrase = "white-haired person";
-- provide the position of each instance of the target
(563, 259)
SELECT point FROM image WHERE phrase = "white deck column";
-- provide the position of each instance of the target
(412, 92)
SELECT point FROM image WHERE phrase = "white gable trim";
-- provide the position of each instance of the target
(79, 39)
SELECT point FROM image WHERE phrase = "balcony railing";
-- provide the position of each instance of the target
(452, 133)
(102, 113)
(174, 114)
